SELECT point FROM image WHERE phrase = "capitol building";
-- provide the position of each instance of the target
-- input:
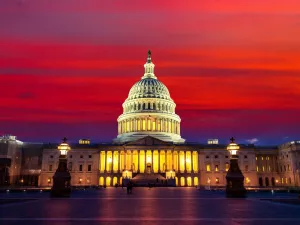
(148, 148)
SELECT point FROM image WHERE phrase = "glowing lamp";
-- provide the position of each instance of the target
(49, 180)
(64, 147)
(233, 148)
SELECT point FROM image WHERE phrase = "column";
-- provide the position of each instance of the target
(131, 161)
(192, 162)
(172, 152)
(119, 164)
(152, 161)
(105, 160)
(145, 158)
(178, 163)
(184, 163)
(125, 160)
(138, 169)
(158, 160)
(113, 161)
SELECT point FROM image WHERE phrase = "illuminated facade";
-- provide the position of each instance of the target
(149, 149)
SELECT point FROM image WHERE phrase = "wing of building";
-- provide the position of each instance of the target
(148, 149)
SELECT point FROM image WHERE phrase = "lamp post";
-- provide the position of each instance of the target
(62, 178)
(235, 179)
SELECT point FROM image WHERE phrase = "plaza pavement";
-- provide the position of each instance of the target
(146, 206)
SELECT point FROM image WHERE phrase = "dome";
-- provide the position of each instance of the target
(149, 111)
(149, 88)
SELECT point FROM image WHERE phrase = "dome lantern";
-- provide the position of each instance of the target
(149, 68)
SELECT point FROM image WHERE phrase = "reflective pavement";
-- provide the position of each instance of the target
(147, 206)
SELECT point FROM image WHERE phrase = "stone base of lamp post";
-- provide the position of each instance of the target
(61, 180)
(235, 181)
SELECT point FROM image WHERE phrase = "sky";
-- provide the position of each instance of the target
(231, 66)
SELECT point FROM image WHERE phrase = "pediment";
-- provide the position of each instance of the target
(149, 141)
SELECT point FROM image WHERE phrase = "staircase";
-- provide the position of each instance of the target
(144, 179)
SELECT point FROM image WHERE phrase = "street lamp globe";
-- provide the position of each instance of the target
(233, 148)
(64, 147)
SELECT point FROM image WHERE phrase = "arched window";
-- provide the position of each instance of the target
(149, 105)
(144, 105)
(154, 106)
(267, 181)
(273, 181)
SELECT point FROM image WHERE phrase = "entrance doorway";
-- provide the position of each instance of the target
(148, 168)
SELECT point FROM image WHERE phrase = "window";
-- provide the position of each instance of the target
(216, 156)
(50, 167)
(262, 158)
(51, 156)
(245, 156)
(207, 156)
(80, 167)
(89, 167)
(226, 156)
(90, 156)
(81, 156)
(207, 167)
(288, 167)
(71, 156)
(227, 166)
(216, 168)
(246, 168)
(217, 180)
(256, 158)
(284, 168)
(269, 168)
(257, 168)
(263, 168)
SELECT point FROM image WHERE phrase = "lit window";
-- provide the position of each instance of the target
(269, 168)
(257, 168)
(227, 166)
(288, 167)
(144, 124)
(149, 124)
(263, 168)
(207, 167)
(216, 168)
(153, 125)
(262, 158)
(256, 157)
